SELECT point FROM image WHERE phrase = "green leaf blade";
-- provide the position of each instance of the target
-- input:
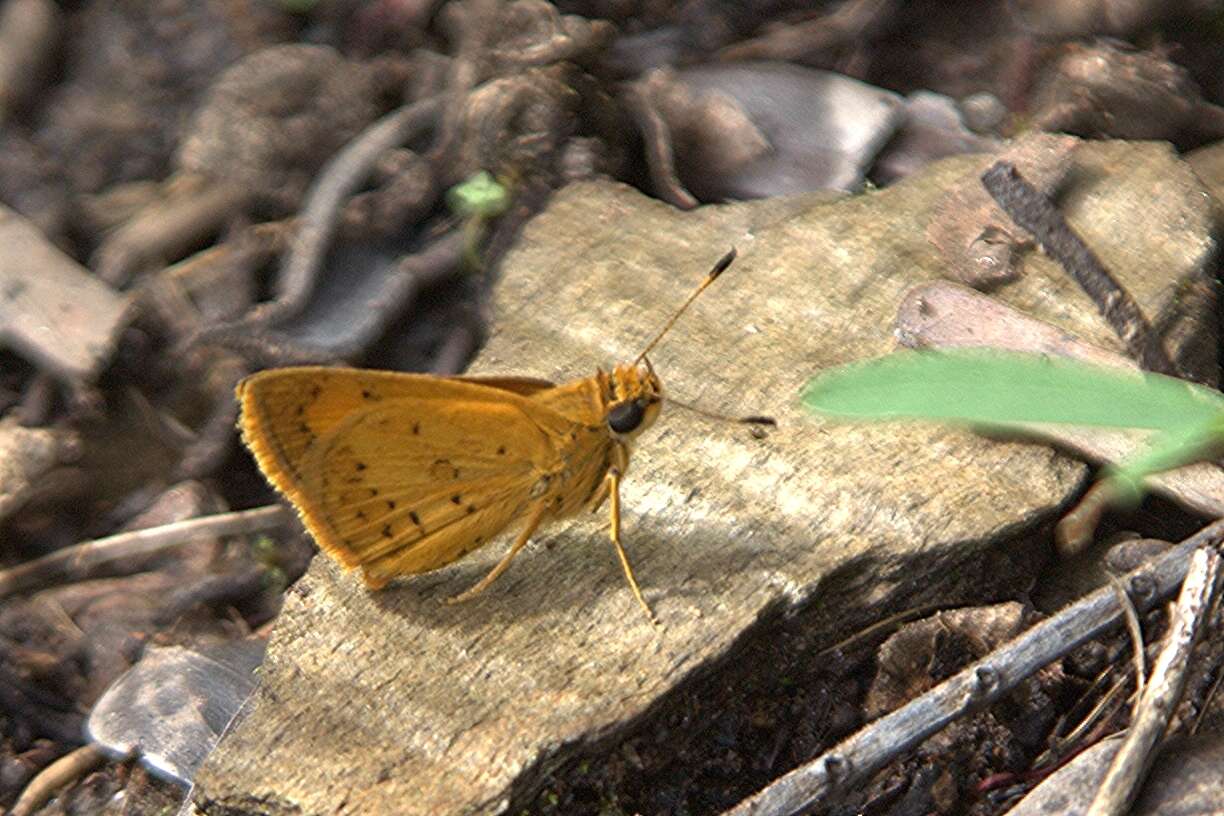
(1170, 449)
(992, 387)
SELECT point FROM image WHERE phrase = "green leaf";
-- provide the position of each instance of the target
(998, 388)
(992, 387)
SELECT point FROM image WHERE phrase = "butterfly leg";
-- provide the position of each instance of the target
(599, 496)
(613, 483)
(533, 522)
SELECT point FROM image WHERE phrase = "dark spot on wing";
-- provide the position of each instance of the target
(456, 499)
(442, 469)
(412, 514)
(386, 531)
(501, 451)
(390, 504)
(416, 428)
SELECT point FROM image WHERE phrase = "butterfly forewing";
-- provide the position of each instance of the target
(399, 473)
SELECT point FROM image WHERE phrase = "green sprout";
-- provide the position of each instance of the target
(479, 196)
(991, 388)
(477, 200)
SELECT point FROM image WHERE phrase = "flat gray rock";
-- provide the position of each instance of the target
(393, 703)
(169, 708)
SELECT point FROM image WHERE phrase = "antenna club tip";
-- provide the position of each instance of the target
(722, 264)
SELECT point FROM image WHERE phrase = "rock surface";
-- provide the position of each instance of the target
(393, 703)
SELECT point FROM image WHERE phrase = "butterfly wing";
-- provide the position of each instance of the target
(285, 411)
(398, 473)
(526, 386)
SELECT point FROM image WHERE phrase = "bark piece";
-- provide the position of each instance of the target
(52, 311)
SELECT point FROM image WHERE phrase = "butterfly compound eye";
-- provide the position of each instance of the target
(625, 417)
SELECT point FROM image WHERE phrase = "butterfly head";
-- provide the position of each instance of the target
(635, 396)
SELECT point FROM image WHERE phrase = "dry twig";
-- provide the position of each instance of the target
(338, 180)
(81, 560)
(865, 752)
(61, 772)
(1134, 757)
(657, 143)
(1136, 637)
(1037, 214)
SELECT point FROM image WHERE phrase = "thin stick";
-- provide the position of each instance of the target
(1133, 759)
(81, 560)
(1136, 637)
(61, 772)
(856, 758)
(1098, 715)
(1031, 210)
(320, 215)
(657, 141)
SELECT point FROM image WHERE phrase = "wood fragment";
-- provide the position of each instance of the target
(28, 459)
(1134, 758)
(193, 210)
(63, 771)
(851, 22)
(80, 560)
(53, 311)
(856, 758)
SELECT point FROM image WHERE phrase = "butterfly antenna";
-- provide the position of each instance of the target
(719, 268)
(755, 419)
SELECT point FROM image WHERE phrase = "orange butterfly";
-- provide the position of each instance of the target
(403, 473)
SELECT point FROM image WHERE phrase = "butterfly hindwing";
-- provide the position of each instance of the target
(399, 506)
